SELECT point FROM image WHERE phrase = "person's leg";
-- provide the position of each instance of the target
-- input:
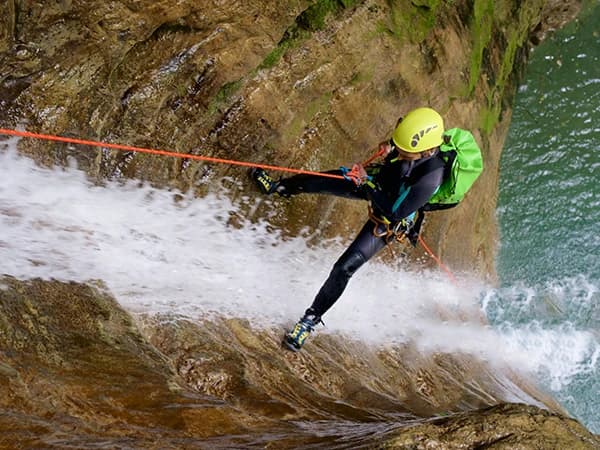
(360, 251)
(315, 184)
(363, 248)
(307, 184)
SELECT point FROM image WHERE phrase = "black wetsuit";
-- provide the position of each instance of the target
(397, 190)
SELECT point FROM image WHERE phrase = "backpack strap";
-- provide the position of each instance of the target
(437, 206)
(448, 157)
(433, 163)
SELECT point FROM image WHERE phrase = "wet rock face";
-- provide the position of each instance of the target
(73, 366)
(501, 427)
(300, 84)
(76, 371)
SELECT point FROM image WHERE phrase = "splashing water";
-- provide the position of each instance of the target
(156, 254)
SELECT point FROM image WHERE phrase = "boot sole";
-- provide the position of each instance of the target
(290, 346)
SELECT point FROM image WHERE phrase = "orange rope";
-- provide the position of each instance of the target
(438, 260)
(130, 148)
(376, 155)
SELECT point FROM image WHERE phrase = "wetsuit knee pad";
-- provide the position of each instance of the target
(340, 274)
(349, 264)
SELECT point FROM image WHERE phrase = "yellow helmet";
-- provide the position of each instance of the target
(420, 130)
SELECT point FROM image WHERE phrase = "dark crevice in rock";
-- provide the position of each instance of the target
(490, 443)
(172, 27)
(430, 62)
(11, 88)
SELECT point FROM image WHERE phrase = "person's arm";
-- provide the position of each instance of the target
(409, 199)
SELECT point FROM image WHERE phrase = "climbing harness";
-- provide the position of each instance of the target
(398, 232)
(383, 228)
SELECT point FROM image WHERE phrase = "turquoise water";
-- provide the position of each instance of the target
(549, 215)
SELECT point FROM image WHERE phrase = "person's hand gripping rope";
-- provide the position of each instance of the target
(357, 174)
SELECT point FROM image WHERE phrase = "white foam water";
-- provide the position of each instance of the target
(555, 324)
(156, 254)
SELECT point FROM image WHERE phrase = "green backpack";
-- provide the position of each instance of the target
(464, 164)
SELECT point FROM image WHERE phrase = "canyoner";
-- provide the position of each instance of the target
(425, 168)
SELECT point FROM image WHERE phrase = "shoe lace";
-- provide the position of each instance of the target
(312, 321)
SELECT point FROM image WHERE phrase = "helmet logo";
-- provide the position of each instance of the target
(417, 136)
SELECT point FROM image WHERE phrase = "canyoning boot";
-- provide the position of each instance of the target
(294, 340)
(263, 180)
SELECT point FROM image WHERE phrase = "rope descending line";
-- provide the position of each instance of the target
(129, 148)
(439, 261)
